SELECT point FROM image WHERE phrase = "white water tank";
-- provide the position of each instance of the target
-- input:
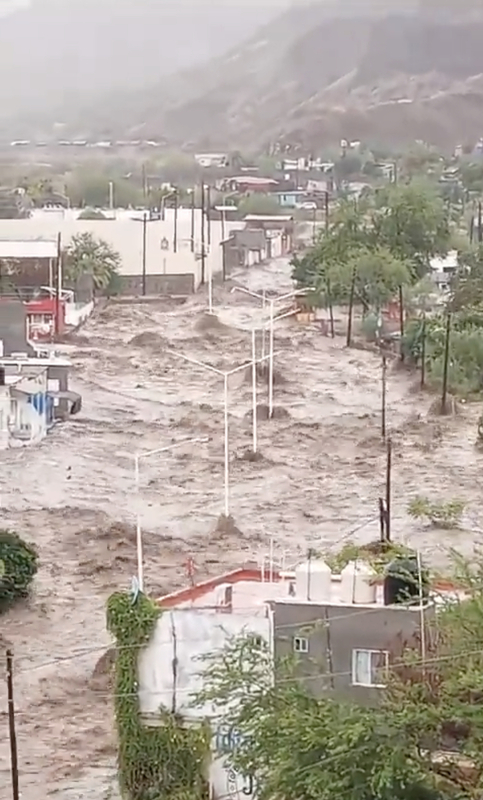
(358, 583)
(313, 581)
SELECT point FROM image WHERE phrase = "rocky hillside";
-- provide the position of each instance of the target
(314, 76)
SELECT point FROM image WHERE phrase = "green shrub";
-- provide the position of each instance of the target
(19, 561)
(442, 515)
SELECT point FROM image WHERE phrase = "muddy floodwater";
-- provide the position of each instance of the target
(315, 483)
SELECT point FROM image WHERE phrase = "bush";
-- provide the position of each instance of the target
(442, 515)
(19, 561)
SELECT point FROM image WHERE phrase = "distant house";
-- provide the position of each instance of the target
(248, 184)
(443, 269)
(244, 248)
(279, 230)
(212, 159)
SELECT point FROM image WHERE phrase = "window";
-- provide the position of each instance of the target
(300, 645)
(369, 667)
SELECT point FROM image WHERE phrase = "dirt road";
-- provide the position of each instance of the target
(320, 474)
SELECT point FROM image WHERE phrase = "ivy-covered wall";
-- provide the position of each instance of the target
(165, 762)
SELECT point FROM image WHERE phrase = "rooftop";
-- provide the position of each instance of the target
(250, 589)
(28, 248)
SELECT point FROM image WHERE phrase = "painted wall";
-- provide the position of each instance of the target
(31, 411)
(4, 416)
(169, 673)
(125, 234)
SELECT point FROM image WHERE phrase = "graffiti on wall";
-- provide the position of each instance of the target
(226, 741)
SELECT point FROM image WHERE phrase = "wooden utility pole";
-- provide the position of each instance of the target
(175, 223)
(11, 728)
(423, 352)
(326, 208)
(401, 320)
(203, 254)
(331, 310)
(145, 233)
(444, 394)
(192, 231)
(480, 228)
(59, 282)
(351, 308)
(208, 215)
(388, 490)
(383, 396)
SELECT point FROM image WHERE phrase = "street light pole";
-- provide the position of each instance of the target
(225, 374)
(273, 319)
(139, 538)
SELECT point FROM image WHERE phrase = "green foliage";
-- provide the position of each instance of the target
(465, 373)
(439, 514)
(467, 283)
(259, 204)
(92, 214)
(162, 762)
(385, 245)
(88, 255)
(377, 554)
(296, 745)
(19, 567)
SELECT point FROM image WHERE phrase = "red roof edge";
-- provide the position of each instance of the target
(192, 593)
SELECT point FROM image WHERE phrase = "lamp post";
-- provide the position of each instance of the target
(225, 375)
(271, 301)
(137, 459)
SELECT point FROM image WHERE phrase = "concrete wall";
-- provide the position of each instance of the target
(132, 285)
(4, 416)
(29, 410)
(125, 234)
(13, 327)
(169, 671)
(334, 632)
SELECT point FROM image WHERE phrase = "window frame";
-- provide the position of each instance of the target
(303, 644)
(370, 652)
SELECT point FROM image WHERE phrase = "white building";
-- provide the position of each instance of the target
(163, 247)
(26, 408)
(443, 269)
(197, 621)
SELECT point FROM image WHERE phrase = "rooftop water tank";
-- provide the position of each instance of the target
(358, 583)
(313, 581)
(405, 581)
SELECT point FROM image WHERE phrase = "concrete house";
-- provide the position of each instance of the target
(26, 408)
(244, 248)
(343, 631)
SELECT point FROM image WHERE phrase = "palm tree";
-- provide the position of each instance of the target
(87, 255)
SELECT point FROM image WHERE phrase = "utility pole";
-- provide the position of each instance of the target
(480, 229)
(383, 396)
(192, 231)
(388, 490)
(208, 214)
(331, 310)
(444, 394)
(175, 223)
(401, 320)
(145, 231)
(351, 308)
(203, 254)
(58, 290)
(423, 352)
(326, 209)
(11, 728)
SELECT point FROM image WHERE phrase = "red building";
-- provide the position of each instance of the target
(42, 314)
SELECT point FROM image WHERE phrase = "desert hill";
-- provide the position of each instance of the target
(319, 73)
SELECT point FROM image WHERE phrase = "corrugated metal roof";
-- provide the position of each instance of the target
(28, 248)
